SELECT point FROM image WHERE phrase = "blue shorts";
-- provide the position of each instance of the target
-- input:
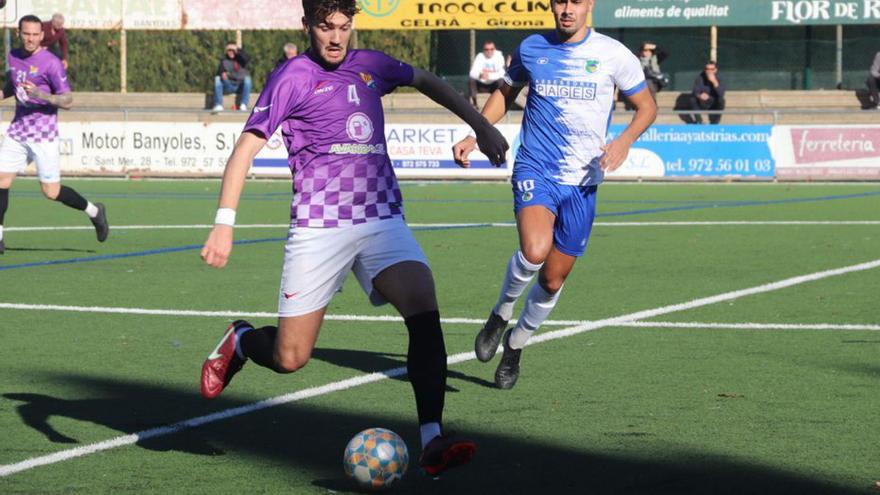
(574, 207)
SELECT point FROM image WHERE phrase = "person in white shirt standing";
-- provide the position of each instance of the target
(487, 71)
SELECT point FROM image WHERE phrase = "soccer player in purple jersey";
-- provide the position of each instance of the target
(38, 81)
(346, 214)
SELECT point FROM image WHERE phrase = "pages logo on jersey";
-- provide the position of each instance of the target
(570, 90)
(359, 127)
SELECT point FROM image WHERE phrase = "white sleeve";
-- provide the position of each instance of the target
(628, 75)
(477, 67)
(500, 70)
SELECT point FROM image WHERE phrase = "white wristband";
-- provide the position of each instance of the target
(225, 216)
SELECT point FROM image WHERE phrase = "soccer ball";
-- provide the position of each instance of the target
(376, 458)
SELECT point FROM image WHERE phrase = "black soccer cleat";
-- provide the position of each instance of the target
(486, 343)
(102, 228)
(508, 369)
(2, 246)
(444, 453)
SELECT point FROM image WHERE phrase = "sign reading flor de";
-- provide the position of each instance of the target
(454, 14)
(699, 151)
(659, 13)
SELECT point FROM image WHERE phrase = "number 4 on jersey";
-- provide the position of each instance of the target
(353, 95)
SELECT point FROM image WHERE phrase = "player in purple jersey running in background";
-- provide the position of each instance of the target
(38, 81)
(346, 214)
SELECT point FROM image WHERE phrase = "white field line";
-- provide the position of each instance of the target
(749, 326)
(241, 314)
(9, 469)
(705, 301)
(450, 321)
(465, 225)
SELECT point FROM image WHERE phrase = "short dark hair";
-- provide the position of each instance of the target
(316, 11)
(29, 18)
(488, 42)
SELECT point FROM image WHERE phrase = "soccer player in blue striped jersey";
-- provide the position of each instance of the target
(572, 74)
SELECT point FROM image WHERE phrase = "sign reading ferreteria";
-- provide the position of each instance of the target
(671, 13)
(454, 14)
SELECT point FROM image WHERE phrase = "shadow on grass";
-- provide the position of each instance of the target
(312, 438)
(371, 362)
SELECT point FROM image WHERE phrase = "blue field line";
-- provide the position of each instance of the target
(738, 204)
(445, 227)
(192, 247)
(134, 254)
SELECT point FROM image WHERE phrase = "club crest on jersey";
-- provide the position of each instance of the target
(33, 70)
(368, 80)
(592, 66)
(527, 196)
(359, 127)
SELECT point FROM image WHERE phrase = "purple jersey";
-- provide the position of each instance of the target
(333, 126)
(35, 120)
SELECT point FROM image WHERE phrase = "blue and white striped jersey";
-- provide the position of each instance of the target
(570, 100)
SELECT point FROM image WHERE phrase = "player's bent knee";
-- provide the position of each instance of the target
(552, 286)
(535, 253)
(288, 363)
(51, 193)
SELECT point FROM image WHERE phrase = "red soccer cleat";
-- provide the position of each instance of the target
(222, 364)
(444, 453)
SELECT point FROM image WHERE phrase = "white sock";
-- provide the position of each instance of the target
(539, 304)
(238, 333)
(429, 431)
(519, 273)
(1, 232)
(91, 210)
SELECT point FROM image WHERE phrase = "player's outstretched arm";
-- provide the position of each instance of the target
(219, 244)
(491, 142)
(496, 107)
(63, 100)
(617, 150)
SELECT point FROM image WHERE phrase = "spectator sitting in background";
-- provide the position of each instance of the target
(651, 57)
(290, 50)
(55, 38)
(708, 93)
(487, 71)
(874, 83)
(233, 77)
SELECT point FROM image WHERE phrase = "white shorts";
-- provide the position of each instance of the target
(317, 260)
(15, 155)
